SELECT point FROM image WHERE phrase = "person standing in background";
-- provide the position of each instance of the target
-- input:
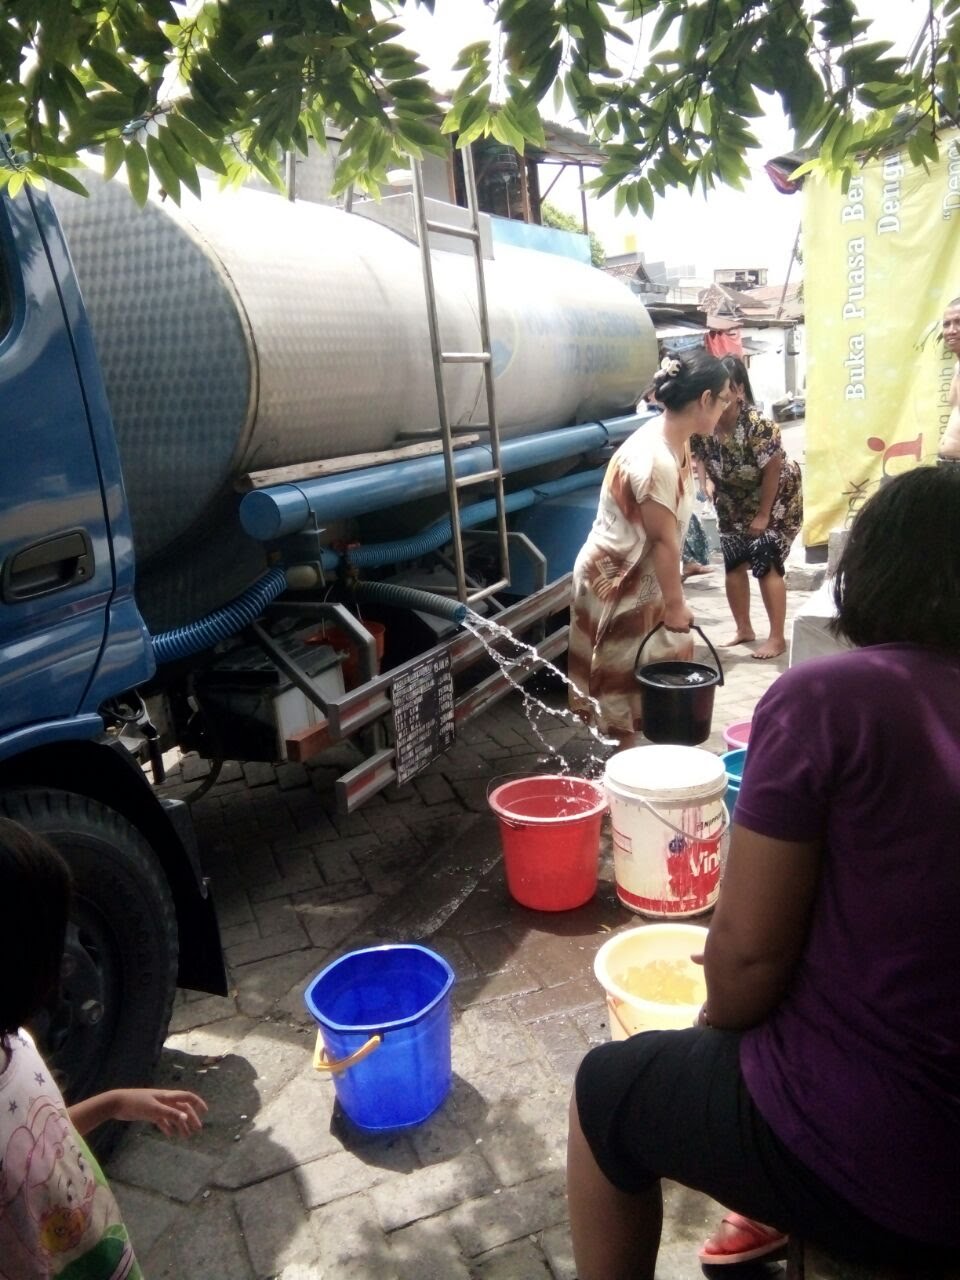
(696, 550)
(949, 453)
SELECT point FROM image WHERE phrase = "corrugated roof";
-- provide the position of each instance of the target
(566, 146)
(625, 271)
(749, 306)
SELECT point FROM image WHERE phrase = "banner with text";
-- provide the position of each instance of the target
(881, 262)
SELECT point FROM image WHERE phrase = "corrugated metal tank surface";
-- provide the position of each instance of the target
(244, 332)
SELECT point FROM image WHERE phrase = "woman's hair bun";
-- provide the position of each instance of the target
(681, 379)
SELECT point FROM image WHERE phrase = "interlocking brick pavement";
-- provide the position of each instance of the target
(278, 1184)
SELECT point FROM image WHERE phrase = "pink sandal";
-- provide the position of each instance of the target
(748, 1240)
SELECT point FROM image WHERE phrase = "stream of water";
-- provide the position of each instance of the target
(515, 659)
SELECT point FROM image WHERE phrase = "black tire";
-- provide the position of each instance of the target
(120, 963)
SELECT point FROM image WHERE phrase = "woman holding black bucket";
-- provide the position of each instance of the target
(820, 1094)
(627, 576)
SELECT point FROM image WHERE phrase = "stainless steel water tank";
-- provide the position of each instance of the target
(244, 331)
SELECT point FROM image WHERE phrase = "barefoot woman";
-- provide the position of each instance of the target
(759, 502)
(627, 576)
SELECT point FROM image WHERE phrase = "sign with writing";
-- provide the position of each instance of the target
(881, 263)
(423, 716)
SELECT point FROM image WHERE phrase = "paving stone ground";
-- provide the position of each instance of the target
(279, 1184)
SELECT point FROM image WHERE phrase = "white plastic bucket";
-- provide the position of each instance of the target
(668, 819)
(635, 948)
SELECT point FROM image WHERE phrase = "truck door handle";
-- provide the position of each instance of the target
(49, 565)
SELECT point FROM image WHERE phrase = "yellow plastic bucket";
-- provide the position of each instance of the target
(616, 966)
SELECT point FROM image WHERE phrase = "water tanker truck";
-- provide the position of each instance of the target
(232, 521)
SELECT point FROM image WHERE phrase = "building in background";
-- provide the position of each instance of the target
(737, 313)
(741, 277)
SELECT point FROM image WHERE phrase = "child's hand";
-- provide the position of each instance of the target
(173, 1111)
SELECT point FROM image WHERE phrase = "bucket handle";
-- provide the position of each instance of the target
(679, 830)
(693, 627)
(322, 1063)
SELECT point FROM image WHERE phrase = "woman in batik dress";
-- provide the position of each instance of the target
(627, 576)
(758, 495)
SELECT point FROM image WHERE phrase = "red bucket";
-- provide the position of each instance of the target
(550, 835)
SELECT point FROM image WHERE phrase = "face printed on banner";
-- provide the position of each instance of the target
(951, 329)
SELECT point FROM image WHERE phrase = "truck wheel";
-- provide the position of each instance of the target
(120, 962)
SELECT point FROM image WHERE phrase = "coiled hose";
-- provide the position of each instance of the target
(411, 598)
(203, 633)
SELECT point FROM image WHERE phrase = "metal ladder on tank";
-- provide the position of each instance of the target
(457, 484)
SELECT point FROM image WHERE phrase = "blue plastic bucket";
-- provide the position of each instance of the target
(384, 1018)
(733, 762)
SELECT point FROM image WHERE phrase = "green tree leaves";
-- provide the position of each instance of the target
(168, 90)
(668, 88)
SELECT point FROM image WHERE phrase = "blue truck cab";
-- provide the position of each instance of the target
(73, 651)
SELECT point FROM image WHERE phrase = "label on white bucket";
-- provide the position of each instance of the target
(666, 841)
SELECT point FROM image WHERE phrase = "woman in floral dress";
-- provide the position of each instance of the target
(757, 492)
(627, 576)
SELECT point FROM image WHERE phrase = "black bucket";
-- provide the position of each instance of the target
(677, 697)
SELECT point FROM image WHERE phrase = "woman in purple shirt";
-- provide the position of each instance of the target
(821, 1095)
